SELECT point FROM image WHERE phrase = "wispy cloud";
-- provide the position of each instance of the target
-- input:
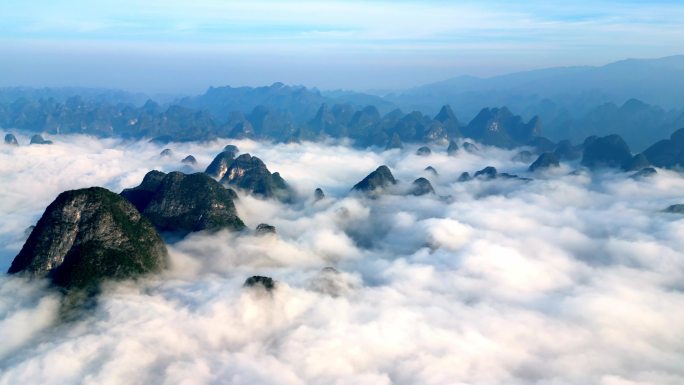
(220, 21)
(427, 41)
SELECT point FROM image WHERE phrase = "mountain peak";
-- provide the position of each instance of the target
(184, 203)
(379, 179)
(90, 235)
(250, 173)
(445, 114)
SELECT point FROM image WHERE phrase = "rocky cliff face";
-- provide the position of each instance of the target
(545, 161)
(448, 120)
(218, 167)
(90, 235)
(566, 151)
(258, 281)
(421, 186)
(38, 139)
(11, 140)
(189, 160)
(250, 173)
(181, 203)
(375, 181)
(231, 148)
(608, 151)
(318, 194)
(638, 162)
(668, 153)
(243, 130)
(394, 142)
(141, 195)
(423, 151)
(499, 127)
(453, 148)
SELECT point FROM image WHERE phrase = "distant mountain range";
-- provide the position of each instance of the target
(639, 123)
(9, 95)
(576, 89)
(642, 100)
(297, 102)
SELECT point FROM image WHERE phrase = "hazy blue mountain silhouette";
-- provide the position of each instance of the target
(577, 89)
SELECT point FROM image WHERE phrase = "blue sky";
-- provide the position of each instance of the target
(181, 46)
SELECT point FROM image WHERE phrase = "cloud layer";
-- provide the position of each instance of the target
(568, 279)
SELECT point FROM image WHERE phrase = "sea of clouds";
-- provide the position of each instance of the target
(572, 278)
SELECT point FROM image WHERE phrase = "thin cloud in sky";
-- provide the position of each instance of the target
(215, 21)
(427, 40)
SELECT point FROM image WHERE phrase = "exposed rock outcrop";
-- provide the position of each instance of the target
(250, 173)
(644, 173)
(638, 162)
(38, 139)
(566, 151)
(471, 148)
(453, 148)
(377, 180)
(11, 140)
(421, 186)
(523, 157)
(448, 120)
(394, 142)
(541, 144)
(218, 167)
(545, 161)
(675, 209)
(264, 229)
(490, 173)
(499, 127)
(231, 148)
(464, 177)
(182, 203)
(318, 194)
(423, 151)
(431, 170)
(242, 130)
(258, 281)
(608, 151)
(90, 235)
(668, 153)
(141, 195)
(189, 160)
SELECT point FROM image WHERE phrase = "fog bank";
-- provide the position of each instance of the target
(566, 279)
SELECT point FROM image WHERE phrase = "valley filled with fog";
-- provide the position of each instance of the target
(569, 277)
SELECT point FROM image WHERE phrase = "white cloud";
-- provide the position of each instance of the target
(568, 279)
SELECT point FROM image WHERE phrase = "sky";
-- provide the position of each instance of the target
(171, 46)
